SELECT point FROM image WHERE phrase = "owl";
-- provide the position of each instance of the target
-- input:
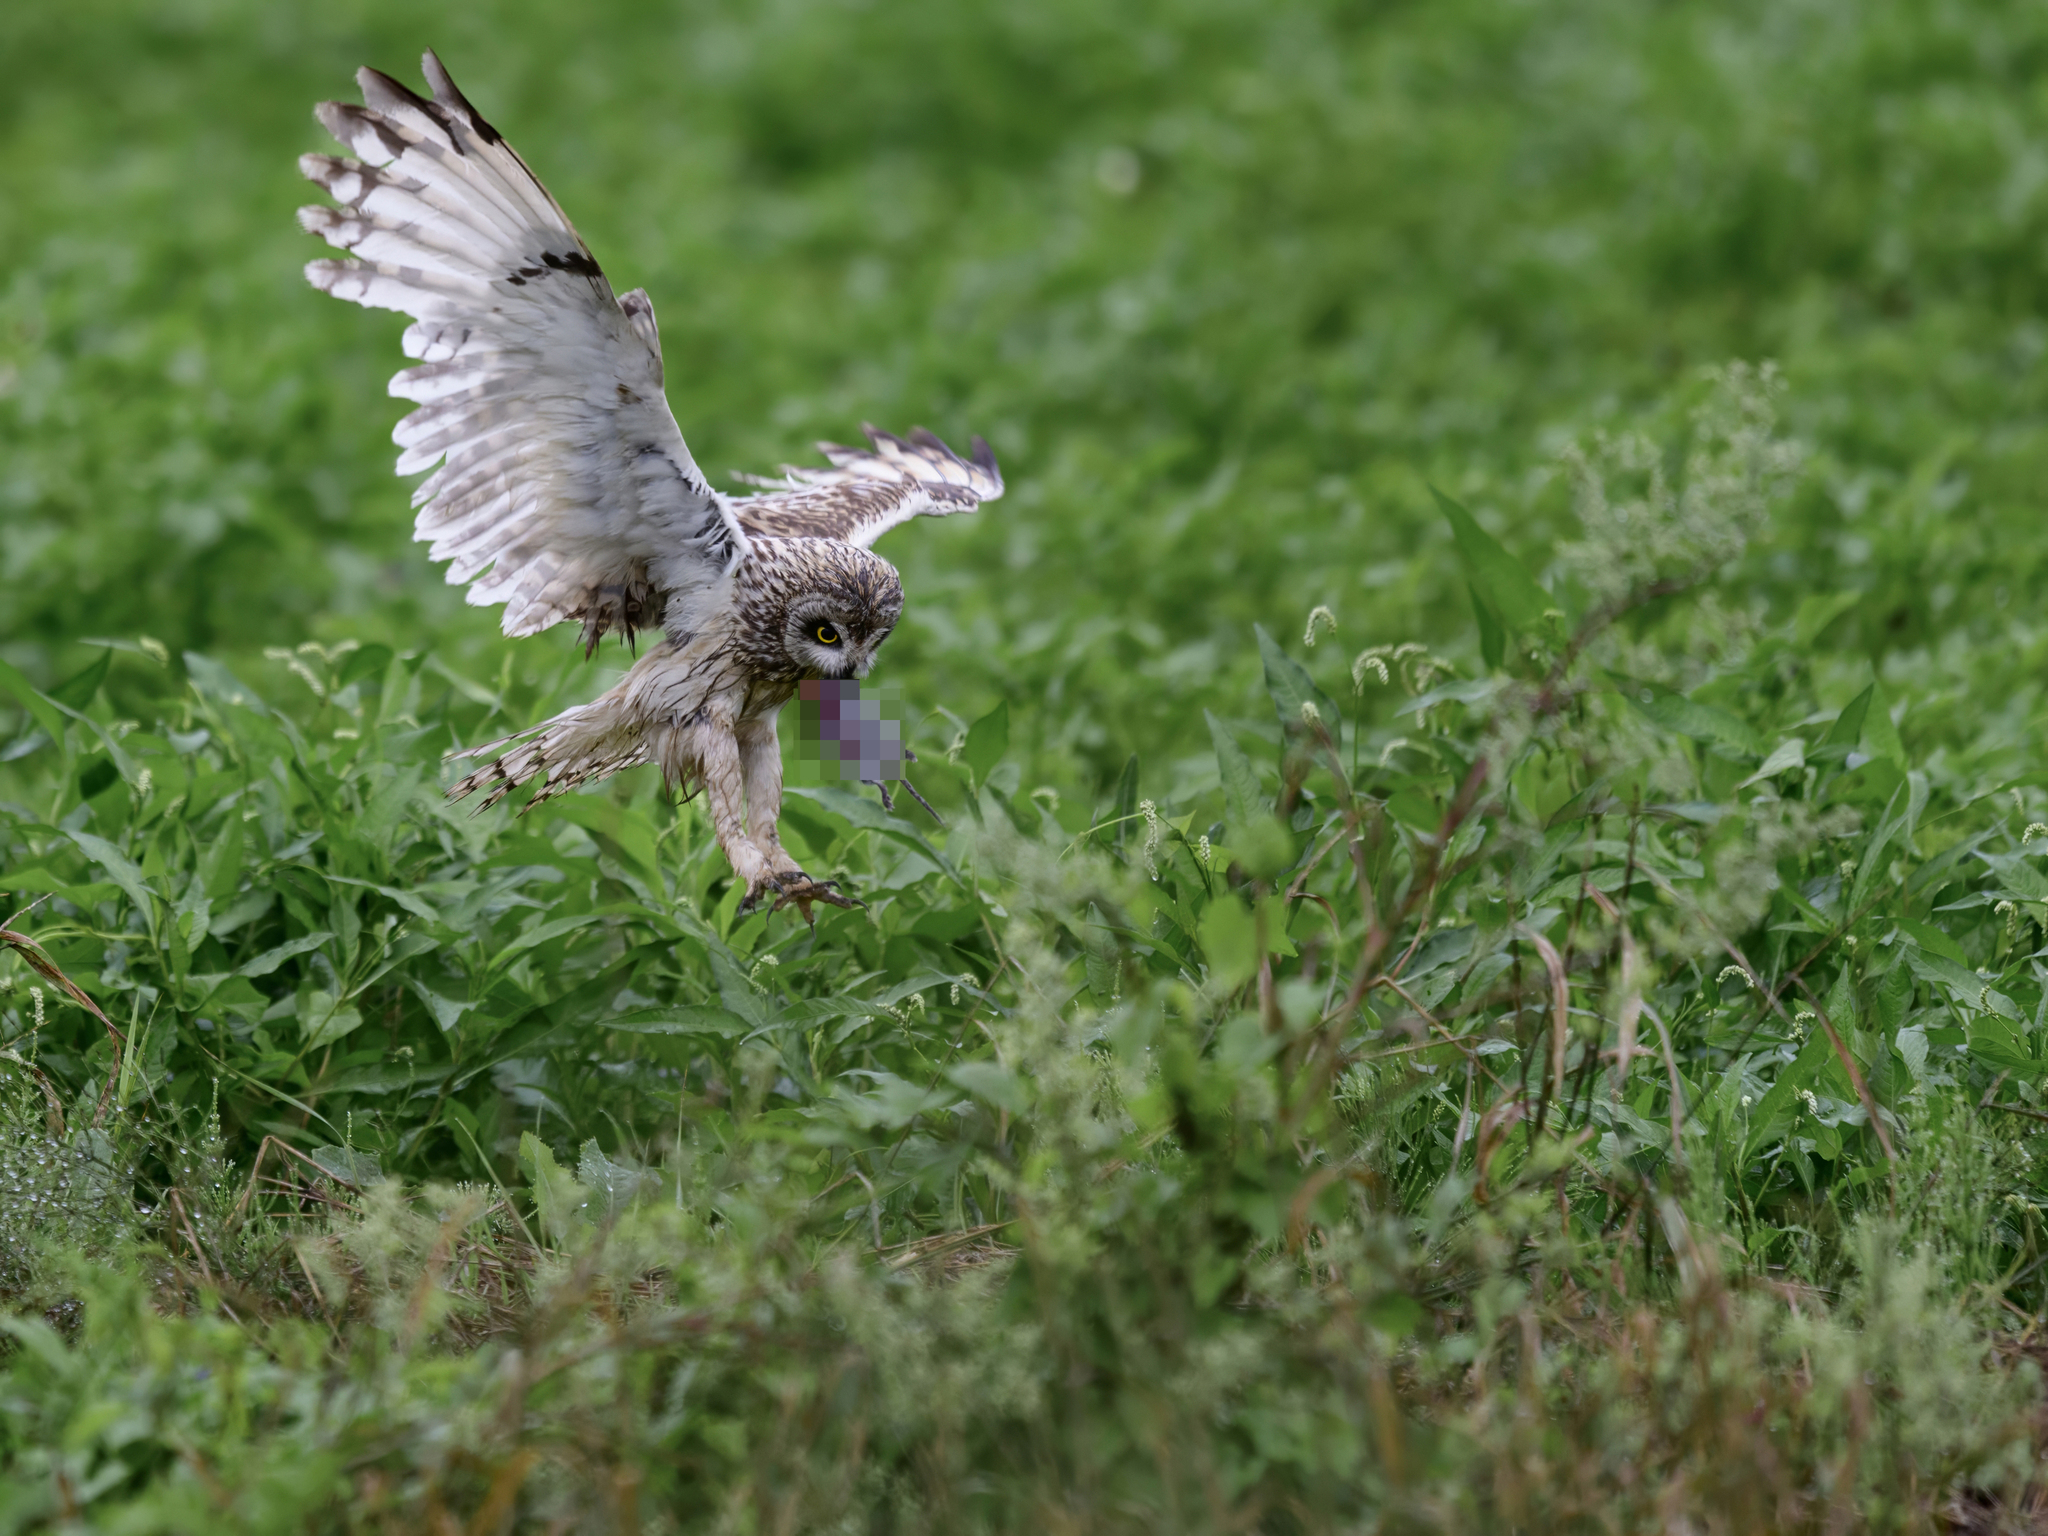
(562, 488)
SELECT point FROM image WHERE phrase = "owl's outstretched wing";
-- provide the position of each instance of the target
(868, 491)
(565, 490)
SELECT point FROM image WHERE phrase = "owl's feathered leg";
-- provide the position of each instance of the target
(718, 758)
(761, 775)
(658, 713)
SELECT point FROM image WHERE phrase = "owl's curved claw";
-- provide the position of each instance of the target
(793, 885)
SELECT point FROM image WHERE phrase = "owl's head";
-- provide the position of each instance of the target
(840, 612)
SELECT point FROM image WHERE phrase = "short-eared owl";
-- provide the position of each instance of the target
(565, 490)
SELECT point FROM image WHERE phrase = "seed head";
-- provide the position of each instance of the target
(1154, 830)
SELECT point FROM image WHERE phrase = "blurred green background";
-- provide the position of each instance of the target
(1226, 283)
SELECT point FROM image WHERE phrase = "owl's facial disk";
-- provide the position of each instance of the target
(836, 639)
(841, 602)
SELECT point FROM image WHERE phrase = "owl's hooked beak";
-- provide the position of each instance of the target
(853, 668)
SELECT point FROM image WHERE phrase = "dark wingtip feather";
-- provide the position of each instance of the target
(374, 83)
(984, 456)
(449, 95)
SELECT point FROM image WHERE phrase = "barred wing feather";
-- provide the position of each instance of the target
(867, 491)
(565, 490)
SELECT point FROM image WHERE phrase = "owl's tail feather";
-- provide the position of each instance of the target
(578, 746)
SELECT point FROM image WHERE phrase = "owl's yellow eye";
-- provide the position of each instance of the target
(827, 635)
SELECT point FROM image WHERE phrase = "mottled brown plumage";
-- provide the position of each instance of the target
(563, 489)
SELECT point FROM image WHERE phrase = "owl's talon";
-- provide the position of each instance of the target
(793, 885)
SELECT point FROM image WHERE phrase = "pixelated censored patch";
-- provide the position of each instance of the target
(852, 734)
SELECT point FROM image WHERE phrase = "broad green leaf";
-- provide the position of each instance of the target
(1123, 804)
(406, 899)
(366, 661)
(77, 690)
(267, 962)
(1895, 996)
(1466, 690)
(1229, 938)
(1968, 990)
(1840, 1003)
(1726, 1101)
(1103, 960)
(1880, 736)
(1785, 756)
(988, 739)
(26, 882)
(1872, 864)
(1266, 849)
(737, 992)
(1817, 611)
(386, 1077)
(992, 1083)
(1869, 783)
(1497, 577)
(98, 774)
(2022, 880)
(1242, 801)
(1291, 687)
(1493, 641)
(1703, 722)
(39, 708)
(45, 1343)
(220, 864)
(1993, 1039)
(561, 1203)
(124, 874)
(1777, 1102)
(682, 1019)
(1917, 790)
(1933, 940)
(1912, 1043)
(324, 1019)
(445, 1011)
(633, 833)
(542, 933)
(1414, 809)
(894, 1103)
(860, 811)
(1848, 727)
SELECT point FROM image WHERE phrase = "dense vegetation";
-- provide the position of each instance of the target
(1483, 966)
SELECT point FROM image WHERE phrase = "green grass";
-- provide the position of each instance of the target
(1469, 1070)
